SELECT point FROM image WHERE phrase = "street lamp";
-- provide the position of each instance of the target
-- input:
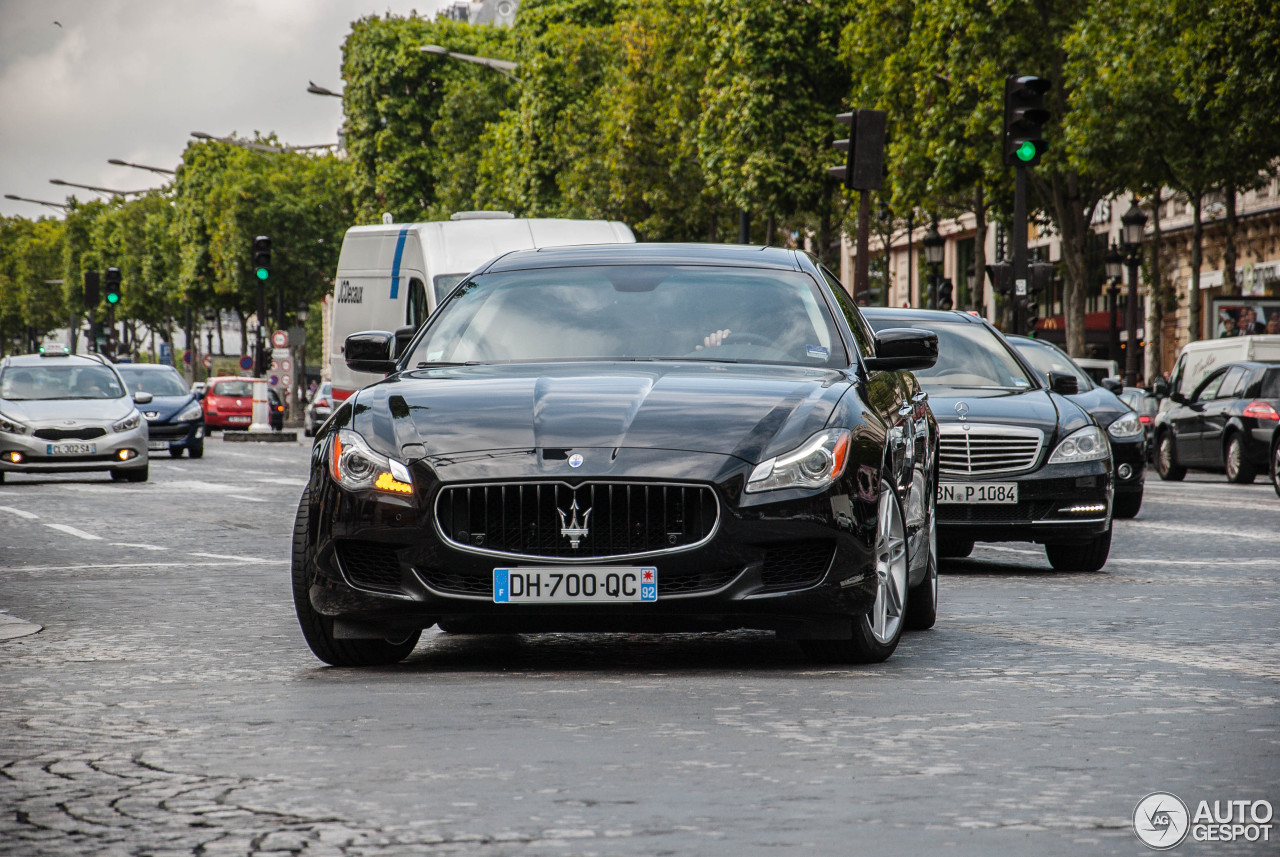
(119, 163)
(502, 67)
(1114, 262)
(1133, 226)
(259, 147)
(934, 246)
(304, 312)
(105, 190)
(58, 205)
(316, 89)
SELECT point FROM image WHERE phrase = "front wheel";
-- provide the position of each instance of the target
(1166, 464)
(1239, 469)
(317, 628)
(1087, 556)
(876, 633)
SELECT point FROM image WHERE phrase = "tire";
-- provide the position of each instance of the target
(2, 480)
(196, 451)
(953, 548)
(876, 633)
(1089, 556)
(922, 600)
(1166, 463)
(138, 474)
(1127, 505)
(317, 628)
(1275, 465)
(175, 452)
(1239, 469)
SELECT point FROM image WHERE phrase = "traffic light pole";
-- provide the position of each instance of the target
(861, 264)
(1020, 271)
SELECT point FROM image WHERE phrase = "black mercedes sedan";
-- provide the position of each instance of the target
(1020, 461)
(1125, 431)
(1228, 424)
(639, 438)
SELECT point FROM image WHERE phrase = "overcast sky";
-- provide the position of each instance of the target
(82, 81)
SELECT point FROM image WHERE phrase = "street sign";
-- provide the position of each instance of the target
(246, 363)
(279, 339)
(187, 357)
(286, 381)
(274, 380)
(207, 361)
(166, 353)
(286, 365)
(1020, 288)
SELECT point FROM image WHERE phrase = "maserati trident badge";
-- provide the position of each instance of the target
(571, 529)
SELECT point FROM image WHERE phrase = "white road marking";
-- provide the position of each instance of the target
(132, 545)
(230, 557)
(249, 499)
(21, 513)
(1191, 530)
(107, 566)
(72, 531)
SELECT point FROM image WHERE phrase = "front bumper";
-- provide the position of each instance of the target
(37, 456)
(1056, 504)
(171, 436)
(1129, 460)
(801, 567)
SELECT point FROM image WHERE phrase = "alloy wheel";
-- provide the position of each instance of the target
(891, 570)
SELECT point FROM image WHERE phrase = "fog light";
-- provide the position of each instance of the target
(1089, 509)
(125, 454)
(15, 457)
(1124, 471)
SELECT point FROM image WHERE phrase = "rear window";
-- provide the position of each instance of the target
(1270, 388)
(232, 388)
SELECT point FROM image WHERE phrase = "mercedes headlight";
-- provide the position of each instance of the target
(128, 423)
(1127, 426)
(190, 412)
(815, 464)
(355, 465)
(11, 426)
(1087, 444)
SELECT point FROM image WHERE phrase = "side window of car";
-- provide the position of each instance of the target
(1209, 389)
(864, 339)
(1232, 382)
(416, 309)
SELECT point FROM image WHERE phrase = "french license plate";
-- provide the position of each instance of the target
(575, 585)
(71, 449)
(158, 445)
(238, 419)
(999, 493)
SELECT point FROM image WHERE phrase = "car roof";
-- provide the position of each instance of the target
(734, 255)
(1253, 364)
(146, 367)
(922, 316)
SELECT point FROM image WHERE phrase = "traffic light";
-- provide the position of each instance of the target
(262, 257)
(864, 150)
(1041, 277)
(112, 280)
(1024, 118)
(1001, 276)
(1028, 315)
(945, 289)
(91, 289)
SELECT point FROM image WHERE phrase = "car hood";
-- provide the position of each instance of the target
(166, 407)
(751, 412)
(1105, 405)
(81, 411)
(1049, 412)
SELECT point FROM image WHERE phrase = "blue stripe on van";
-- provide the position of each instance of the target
(395, 263)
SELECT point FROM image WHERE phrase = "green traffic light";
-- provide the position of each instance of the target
(262, 273)
(1026, 151)
(113, 298)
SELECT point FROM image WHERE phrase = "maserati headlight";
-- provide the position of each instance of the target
(1087, 444)
(817, 463)
(356, 466)
(11, 426)
(190, 412)
(128, 423)
(1127, 426)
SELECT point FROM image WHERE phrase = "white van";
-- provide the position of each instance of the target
(393, 276)
(1198, 359)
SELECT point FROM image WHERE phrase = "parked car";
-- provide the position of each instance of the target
(175, 419)
(643, 437)
(1019, 460)
(61, 412)
(318, 409)
(1227, 424)
(1124, 428)
(1146, 405)
(228, 404)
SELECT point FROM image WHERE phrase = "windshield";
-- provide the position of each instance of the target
(970, 356)
(1047, 358)
(154, 381)
(635, 312)
(76, 381)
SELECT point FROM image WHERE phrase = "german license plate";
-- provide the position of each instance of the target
(238, 419)
(997, 493)
(71, 449)
(158, 445)
(575, 585)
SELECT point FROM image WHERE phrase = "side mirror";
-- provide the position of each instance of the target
(370, 351)
(403, 337)
(1064, 383)
(904, 349)
(1112, 384)
(1161, 388)
(142, 398)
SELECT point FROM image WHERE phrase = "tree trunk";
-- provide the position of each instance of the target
(976, 291)
(1153, 324)
(1072, 218)
(1230, 286)
(1197, 254)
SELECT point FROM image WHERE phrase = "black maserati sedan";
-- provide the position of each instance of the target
(1019, 460)
(1125, 431)
(640, 438)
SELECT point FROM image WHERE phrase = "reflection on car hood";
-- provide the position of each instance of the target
(166, 407)
(1033, 408)
(751, 412)
(1105, 405)
(82, 410)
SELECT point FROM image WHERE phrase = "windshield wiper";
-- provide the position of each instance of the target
(433, 365)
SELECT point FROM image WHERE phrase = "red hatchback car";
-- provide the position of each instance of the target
(228, 404)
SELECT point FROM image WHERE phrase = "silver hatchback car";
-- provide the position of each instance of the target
(62, 412)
